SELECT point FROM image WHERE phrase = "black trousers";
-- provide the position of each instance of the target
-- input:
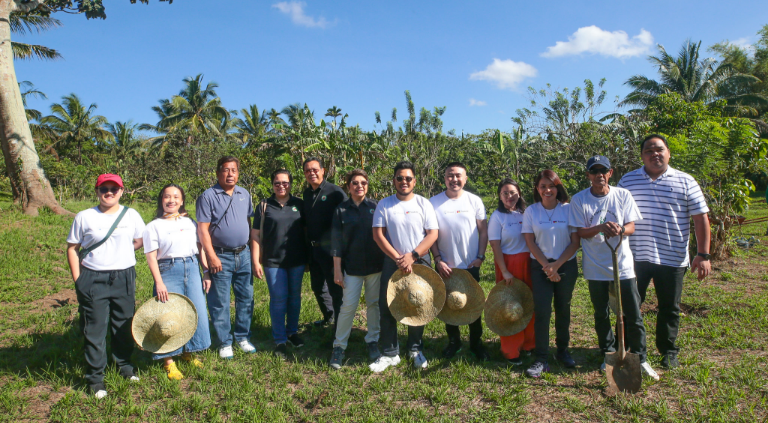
(328, 294)
(668, 281)
(388, 335)
(544, 292)
(475, 328)
(633, 321)
(106, 298)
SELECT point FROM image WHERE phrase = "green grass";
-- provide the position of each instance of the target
(722, 377)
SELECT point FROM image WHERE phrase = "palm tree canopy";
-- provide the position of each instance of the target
(22, 23)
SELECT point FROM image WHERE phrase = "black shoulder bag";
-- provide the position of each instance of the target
(85, 251)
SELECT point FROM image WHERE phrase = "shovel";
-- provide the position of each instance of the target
(621, 367)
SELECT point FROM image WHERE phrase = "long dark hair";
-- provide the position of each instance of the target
(562, 194)
(519, 206)
(159, 212)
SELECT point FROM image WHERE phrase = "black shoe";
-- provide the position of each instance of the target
(564, 357)
(480, 352)
(296, 341)
(451, 349)
(337, 358)
(515, 361)
(526, 353)
(127, 373)
(323, 323)
(373, 351)
(669, 361)
(281, 351)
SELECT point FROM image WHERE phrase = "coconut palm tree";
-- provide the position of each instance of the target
(125, 141)
(22, 23)
(253, 125)
(75, 125)
(333, 113)
(694, 78)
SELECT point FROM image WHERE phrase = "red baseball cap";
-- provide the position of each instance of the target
(109, 177)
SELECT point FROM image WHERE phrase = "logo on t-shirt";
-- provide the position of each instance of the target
(457, 211)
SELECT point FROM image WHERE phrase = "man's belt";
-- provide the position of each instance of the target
(235, 250)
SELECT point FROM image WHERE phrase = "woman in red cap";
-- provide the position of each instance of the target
(100, 252)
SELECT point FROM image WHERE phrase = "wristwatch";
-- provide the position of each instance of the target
(705, 256)
(481, 257)
(622, 230)
(415, 255)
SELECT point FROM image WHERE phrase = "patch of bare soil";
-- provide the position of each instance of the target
(60, 299)
(41, 399)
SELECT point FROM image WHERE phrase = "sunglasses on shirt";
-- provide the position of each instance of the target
(113, 190)
(407, 178)
(602, 171)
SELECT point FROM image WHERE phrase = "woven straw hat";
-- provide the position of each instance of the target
(464, 299)
(164, 327)
(509, 309)
(416, 298)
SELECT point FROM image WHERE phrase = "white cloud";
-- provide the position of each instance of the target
(295, 9)
(745, 44)
(473, 102)
(591, 39)
(505, 73)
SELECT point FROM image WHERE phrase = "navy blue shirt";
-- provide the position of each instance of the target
(319, 205)
(283, 238)
(233, 230)
(352, 238)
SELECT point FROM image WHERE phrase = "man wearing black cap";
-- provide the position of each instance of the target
(599, 213)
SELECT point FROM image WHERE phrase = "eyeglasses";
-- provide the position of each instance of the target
(113, 190)
(360, 183)
(406, 178)
(316, 170)
(278, 184)
(602, 171)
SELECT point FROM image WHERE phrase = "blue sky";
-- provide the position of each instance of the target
(476, 58)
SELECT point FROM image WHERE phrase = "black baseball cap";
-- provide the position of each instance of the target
(598, 160)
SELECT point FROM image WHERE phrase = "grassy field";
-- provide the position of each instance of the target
(722, 376)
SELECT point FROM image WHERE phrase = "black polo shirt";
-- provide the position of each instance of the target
(319, 205)
(283, 239)
(352, 238)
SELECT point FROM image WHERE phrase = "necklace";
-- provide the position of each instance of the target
(553, 211)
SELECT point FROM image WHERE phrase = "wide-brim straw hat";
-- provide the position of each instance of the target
(509, 309)
(464, 299)
(416, 298)
(164, 327)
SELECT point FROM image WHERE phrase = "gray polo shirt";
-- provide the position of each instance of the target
(233, 231)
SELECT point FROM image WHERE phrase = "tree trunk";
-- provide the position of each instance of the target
(30, 186)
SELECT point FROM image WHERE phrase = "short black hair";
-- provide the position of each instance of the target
(404, 165)
(313, 159)
(455, 164)
(227, 159)
(281, 172)
(652, 136)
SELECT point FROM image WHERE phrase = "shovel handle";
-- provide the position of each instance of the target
(619, 310)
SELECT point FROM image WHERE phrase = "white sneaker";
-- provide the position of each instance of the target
(648, 371)
(602, 367)
(226, 352)
(100, 394)
(246, 346)
(383, 362)
(134, 378)
(419, 361)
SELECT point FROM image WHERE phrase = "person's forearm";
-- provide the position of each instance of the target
(702, 231)
(426, 243)
(337, 264)
(589, 232)
(435, 252)
(255, 246)
(530, 241)
(138, 243)
(384, 245)
(202, 257)
(154, 269)
(74, 260)
(629, 228)
(498, 256)
(482, 242)
(571, 249)
(205, 238)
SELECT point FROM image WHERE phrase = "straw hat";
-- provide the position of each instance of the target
(416, 298)
(464, 299)
(164, 327)
(509, 309)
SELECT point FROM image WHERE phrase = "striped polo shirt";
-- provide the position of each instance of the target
(667, 205)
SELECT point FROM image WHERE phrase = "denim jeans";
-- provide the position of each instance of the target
(182, 276)
(668, 281)
(633, 320)
(544, 292)
(235, 273)
(353, 286)
(284, 300)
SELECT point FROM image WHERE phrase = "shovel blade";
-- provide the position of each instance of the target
(623, 375)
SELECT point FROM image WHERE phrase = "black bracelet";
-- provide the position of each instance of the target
(622, 230)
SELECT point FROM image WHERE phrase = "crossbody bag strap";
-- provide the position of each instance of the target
(85, 251)
(216, 225)
(318, 193)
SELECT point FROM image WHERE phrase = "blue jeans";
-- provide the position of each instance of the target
(182, 276)
(235, 272)
(284, 300)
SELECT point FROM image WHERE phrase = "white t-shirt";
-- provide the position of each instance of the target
(458, 237)
(550, 228)
(172, 238)
(587, 211)
(507, 227)
(91, 226)
(406, 221)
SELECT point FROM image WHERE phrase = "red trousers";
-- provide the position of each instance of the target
(519, 266)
